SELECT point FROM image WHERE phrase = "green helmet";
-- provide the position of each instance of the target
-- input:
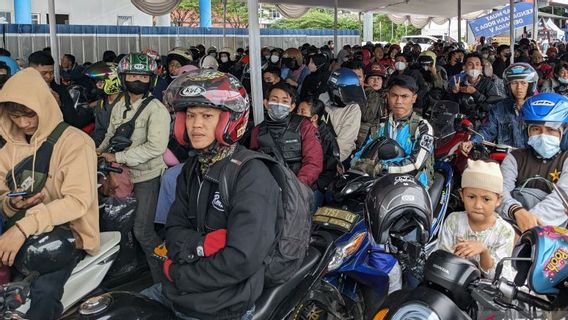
(138, 63)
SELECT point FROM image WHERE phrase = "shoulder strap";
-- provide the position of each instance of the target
(141, 108)
(232, 169)
(57, 132)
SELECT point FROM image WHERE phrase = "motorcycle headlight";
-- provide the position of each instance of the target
(414, 311)
(345, 251)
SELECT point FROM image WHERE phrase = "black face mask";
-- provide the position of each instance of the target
(3, 79)
(136, 87)
(97, 93)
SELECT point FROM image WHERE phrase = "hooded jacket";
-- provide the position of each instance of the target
(71, 187)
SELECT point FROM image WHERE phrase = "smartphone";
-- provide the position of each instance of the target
(23, 194)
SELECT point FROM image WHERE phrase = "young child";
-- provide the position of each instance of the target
(314, 110)
(480, 234)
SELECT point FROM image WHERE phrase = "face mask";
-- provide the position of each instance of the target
(224, 59)
(292, 65)
(474, 73)
(485, 56)
(136, 87)
(267, 56)
(274, 58)
(426, 68)
(213, 54)
(545, 145)
(400, 66)
(278, 111)
(563, 80)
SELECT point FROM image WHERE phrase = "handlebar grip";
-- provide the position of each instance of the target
(533, 301)
(113, 169)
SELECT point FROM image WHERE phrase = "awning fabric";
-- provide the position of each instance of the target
(156, 7)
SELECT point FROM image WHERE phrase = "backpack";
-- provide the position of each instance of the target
(293, 221)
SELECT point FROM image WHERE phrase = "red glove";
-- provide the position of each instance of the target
(167, 265)
(214, 241)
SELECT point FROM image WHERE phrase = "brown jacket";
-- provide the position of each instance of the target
(71, 187)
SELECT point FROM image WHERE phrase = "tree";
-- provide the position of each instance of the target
(187, 13)
(386, 30)
(317, 19)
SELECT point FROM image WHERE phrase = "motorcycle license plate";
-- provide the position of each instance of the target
(335, 218)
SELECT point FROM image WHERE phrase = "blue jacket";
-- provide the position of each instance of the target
(505, 125)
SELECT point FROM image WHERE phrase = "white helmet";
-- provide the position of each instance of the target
(209, 62)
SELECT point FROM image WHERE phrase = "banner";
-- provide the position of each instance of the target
(497, 22)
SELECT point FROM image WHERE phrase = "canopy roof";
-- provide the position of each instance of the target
(432, 8)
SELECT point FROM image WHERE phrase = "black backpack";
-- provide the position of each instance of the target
(294, 219)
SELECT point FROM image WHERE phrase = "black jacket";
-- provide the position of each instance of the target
(77, 118)
(315, 83)
(226, 284)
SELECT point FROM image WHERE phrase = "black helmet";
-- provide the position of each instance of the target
(383, 148)
(47, 252)
(398, 204)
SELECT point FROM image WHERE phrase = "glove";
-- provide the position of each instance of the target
(167, 265)
(214, 241)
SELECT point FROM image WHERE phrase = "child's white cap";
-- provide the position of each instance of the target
(483, 175)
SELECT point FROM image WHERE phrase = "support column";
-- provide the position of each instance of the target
(53, 39)
(205, 13)
(512, 28)
(335, 44)
(535, 20)
(23, 11)
(255, 65)
(459, 21)
(368, 26)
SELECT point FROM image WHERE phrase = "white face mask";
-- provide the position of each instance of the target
(274, 58)
(224, 59)
(400, 65)
(474, 73)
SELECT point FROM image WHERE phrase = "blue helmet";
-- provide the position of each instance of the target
(344, 88)
(549, 109)
(521, 71)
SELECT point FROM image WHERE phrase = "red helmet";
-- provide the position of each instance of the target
(210, 89)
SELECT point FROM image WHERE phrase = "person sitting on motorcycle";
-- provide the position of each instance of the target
(342, 101)
(504, 125)
(558, 83)
(68, 197)
(147, 143)
(471, 89)
(108, 91)
(287, 136)
(479, 233)
(216, 271)
(546, 117)
(375, 110)
(413, 133)
(314, 110)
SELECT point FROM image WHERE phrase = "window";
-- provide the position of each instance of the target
(5, 17)
(59, 18)
(36, 18)
(275, 14)
(124, 20)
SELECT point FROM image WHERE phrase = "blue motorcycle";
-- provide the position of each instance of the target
(361, 271)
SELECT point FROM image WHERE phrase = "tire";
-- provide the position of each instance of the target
(313, 310)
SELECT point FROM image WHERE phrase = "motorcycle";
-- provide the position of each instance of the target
(453, 288)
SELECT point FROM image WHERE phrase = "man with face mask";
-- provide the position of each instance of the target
(545, 115)
(226, 59)
(148, 142)
(502, 61)
(294, 71)
(471, 89)
(288, 137)
(274, 60)
(559, 83)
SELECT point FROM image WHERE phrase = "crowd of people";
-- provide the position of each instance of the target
(174, 121)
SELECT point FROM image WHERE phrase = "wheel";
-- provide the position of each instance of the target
(313, 310)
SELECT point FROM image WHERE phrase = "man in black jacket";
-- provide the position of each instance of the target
(215, 259)
(80, 117)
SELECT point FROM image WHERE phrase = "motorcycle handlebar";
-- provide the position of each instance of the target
(113, 169)
(532, 300)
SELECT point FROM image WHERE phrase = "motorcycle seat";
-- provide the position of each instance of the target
(109, 240)
(271, 297)
(435, 192)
